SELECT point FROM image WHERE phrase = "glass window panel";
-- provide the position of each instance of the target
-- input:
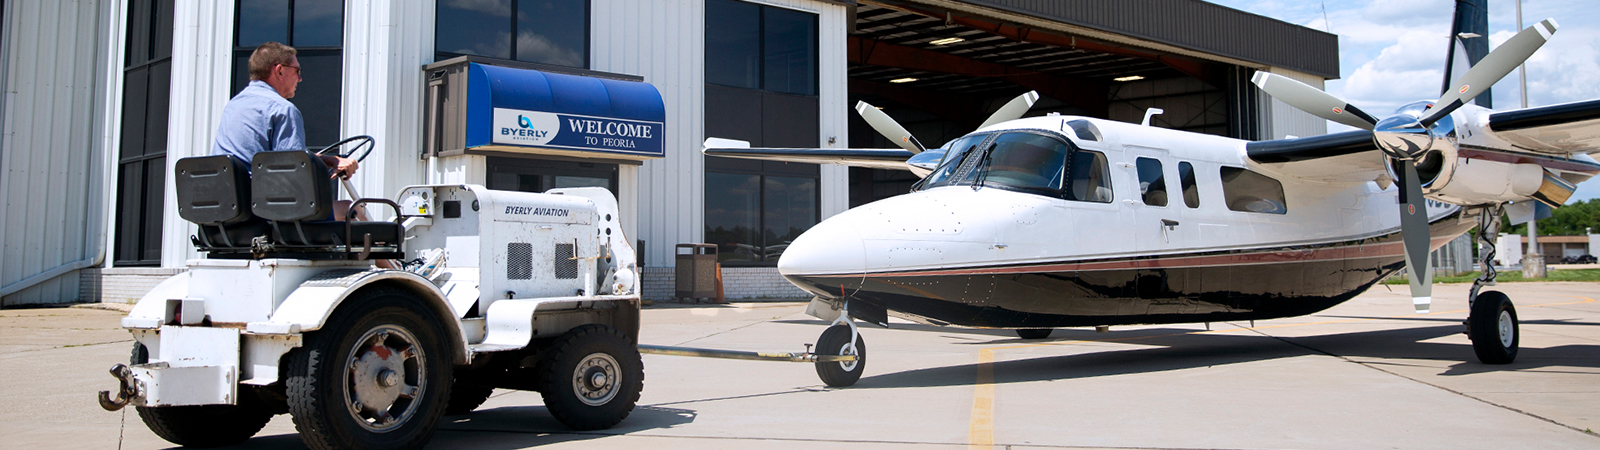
(318, 23)
(572, 182)
(1090, 180)
(155, 177)
(791, 209)
(1248, 191)
(1026, 161)
(1191, 192)
(953, 158)
(733, 44)
(733, 202)
(130, 190)
(474, 27)
(1152, 184)
(135, 94)
(262, 21)
(791, 51)
(161, 45)
(139, 30)
(319, 94)
(1085, 130)
(553, 32)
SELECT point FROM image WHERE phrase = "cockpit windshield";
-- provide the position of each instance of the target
(1028, 161)
(1025, 161)
(953, 160)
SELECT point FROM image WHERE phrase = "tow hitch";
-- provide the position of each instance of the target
(125, 394)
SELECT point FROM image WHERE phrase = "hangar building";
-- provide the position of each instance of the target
(103, 96)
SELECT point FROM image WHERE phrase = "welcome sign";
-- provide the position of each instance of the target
(577, 132)
(535, 112)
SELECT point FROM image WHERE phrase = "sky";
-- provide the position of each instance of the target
(1391, 52)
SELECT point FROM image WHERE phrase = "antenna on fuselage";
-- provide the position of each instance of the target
(1148, 113)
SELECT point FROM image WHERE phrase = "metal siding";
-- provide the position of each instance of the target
(49, 147)
(1194, 25)
(202, 66)
(385, 46)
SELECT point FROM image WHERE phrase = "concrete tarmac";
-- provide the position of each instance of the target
(1365, 374)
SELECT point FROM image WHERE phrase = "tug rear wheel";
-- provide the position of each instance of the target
(203, 426)
(592, 377)
(1493, 328)
(376, 376)
(836, 341)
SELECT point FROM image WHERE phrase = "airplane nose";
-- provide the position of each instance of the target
(834, 246)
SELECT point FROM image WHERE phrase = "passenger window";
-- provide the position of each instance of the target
(1191, 193)
(1027, 161)
(1248, 191)
(1089, 179)
(1152, 185)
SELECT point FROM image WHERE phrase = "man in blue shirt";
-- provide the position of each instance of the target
(261, 118)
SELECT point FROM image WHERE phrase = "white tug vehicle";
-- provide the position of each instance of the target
(292, 313)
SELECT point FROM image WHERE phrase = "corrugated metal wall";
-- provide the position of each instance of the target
(386, 44)
(664, 42)
(202, 67)
(53, 142)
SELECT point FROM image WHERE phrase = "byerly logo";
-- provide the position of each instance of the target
(535, 211)
(526, 130)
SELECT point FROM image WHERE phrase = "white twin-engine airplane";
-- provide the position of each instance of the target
(1064, 221)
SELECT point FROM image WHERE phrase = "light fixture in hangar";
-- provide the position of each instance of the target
(480, 107)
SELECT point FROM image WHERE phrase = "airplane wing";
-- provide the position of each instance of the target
(1564, 129)
(873, 158)
(1348, 156)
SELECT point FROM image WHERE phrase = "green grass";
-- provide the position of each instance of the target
(1514, 276)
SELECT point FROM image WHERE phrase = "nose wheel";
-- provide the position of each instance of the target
(1493, 328)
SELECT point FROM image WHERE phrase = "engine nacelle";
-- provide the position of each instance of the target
(1470, 181)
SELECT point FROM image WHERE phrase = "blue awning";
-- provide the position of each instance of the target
(530, 111)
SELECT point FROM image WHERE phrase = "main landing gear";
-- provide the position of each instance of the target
(1492, 322)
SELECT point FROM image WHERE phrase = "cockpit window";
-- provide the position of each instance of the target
(1025, 161)
(953, 158)
(1085, 130)
(1089, 179)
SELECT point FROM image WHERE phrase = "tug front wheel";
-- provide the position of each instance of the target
(592, 377)
(1493, 328)
(376, 376)
(836, 341)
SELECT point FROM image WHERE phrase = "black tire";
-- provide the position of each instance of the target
(1034, 333)
(363, 337)
(203, 426)
(845, 373)
(466, 396)
(591, 378)
(1493, 328)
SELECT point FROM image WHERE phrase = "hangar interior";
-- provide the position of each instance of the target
(941, 67)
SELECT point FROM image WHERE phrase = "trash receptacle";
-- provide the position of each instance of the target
(696, 271)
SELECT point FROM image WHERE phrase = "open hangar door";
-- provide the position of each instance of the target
(941, 73)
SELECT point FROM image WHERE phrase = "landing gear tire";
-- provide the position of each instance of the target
(203, 426)
(1493, 328)
(1034, 333)
(466, 396)
(376, 376)
(836, 341)
(592, 378)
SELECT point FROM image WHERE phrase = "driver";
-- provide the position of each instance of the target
(261, 118)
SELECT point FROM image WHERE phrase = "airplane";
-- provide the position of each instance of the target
(1064, 221)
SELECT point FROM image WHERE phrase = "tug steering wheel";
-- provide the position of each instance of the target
(366, 142)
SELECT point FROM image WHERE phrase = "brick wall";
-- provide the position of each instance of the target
(120, 285)
(738, 283)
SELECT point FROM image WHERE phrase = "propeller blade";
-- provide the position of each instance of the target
(1313, 100)
(889, 128)
(1494, 66)
(1013, 109)
(1414, 232)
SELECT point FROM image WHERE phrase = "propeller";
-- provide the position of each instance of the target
(891, 129)
(1412, 134)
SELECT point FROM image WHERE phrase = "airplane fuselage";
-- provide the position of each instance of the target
(1165, 239)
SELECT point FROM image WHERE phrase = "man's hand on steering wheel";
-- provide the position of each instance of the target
(342, 167)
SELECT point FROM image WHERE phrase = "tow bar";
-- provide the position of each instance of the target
(807, 357)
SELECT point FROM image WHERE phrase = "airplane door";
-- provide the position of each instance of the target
(1158, 202)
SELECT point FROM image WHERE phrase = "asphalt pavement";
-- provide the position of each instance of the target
(1365, 374)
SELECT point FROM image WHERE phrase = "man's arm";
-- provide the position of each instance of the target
(342, 167)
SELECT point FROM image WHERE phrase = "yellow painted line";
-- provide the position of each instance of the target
(980, 432)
